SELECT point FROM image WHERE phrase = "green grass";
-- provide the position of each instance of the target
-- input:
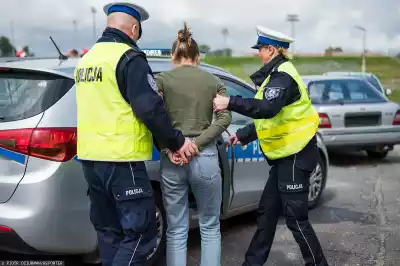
(385, 68)
(395, 96)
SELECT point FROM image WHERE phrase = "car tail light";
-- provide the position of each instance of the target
(324, 121)
(5, 229)
(55, 144)
(396, 119)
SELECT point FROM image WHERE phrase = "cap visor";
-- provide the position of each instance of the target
(257, 46)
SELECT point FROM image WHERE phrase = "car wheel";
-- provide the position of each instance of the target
(159, 251)
(377, 155)
(91, 259)
(317, 181)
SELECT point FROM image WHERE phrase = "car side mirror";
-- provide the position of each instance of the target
(388, 91)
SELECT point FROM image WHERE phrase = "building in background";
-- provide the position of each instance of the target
(21, 53)
(84, 51)
(73, 53)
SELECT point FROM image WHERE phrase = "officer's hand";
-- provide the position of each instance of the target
(220, 103)
(194, 148)
(233, 140)
(188, 150)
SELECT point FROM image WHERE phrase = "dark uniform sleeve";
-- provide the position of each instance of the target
(247, 134)
(141, 92)
(274, 98)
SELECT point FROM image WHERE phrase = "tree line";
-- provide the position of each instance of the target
(206, 49)
(7, 49)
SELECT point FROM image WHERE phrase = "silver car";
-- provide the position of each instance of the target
(354, 115)
(44, 206)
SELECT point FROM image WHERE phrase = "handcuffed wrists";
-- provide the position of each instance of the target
(165, 151)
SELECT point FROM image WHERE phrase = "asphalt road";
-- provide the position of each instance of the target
(357, 221)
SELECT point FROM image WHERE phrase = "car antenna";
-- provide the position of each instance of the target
(61, 56)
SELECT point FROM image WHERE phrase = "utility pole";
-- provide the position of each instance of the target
(12, 36)
(225, 33)
(75, 25)
(94, 11)
(364, 40)
(293, 18)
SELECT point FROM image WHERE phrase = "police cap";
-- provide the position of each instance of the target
(267, 36)
(134, 10)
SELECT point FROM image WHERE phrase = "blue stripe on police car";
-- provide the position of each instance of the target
(250, 152)
(247, 153)
(14, 156)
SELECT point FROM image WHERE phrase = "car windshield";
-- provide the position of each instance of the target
(343, 91)
(371, 79)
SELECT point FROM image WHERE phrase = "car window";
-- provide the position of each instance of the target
(236, 89)
(343, 91)
(357, 91)
(375, 83)
(24, 94)
(335, 92)
(316, 90)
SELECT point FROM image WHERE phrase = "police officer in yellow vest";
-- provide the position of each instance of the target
(285, 124)
(119, 112)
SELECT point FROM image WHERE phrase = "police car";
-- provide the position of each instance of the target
(44, 206)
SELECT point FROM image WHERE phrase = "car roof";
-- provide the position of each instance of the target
(326, 77)
(66, 67)
(350, 73)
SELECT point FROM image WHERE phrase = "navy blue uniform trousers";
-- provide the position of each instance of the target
(286, 192)
(122, 211)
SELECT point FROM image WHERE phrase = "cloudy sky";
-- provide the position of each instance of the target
(322, 23)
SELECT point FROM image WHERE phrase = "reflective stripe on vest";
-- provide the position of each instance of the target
(108, 130)
(293, 127)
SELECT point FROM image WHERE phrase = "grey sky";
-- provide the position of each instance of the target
(322, 23)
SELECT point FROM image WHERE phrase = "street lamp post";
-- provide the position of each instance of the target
(12, 36)
(74, 23)
(292, 18)
(363, 64)
(93, 10)
(225, 33)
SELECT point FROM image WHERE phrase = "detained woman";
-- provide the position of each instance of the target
(188, 93)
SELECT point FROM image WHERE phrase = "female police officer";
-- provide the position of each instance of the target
(285, 123)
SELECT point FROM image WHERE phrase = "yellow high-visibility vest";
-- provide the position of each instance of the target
(108, 129)
(293, 127)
